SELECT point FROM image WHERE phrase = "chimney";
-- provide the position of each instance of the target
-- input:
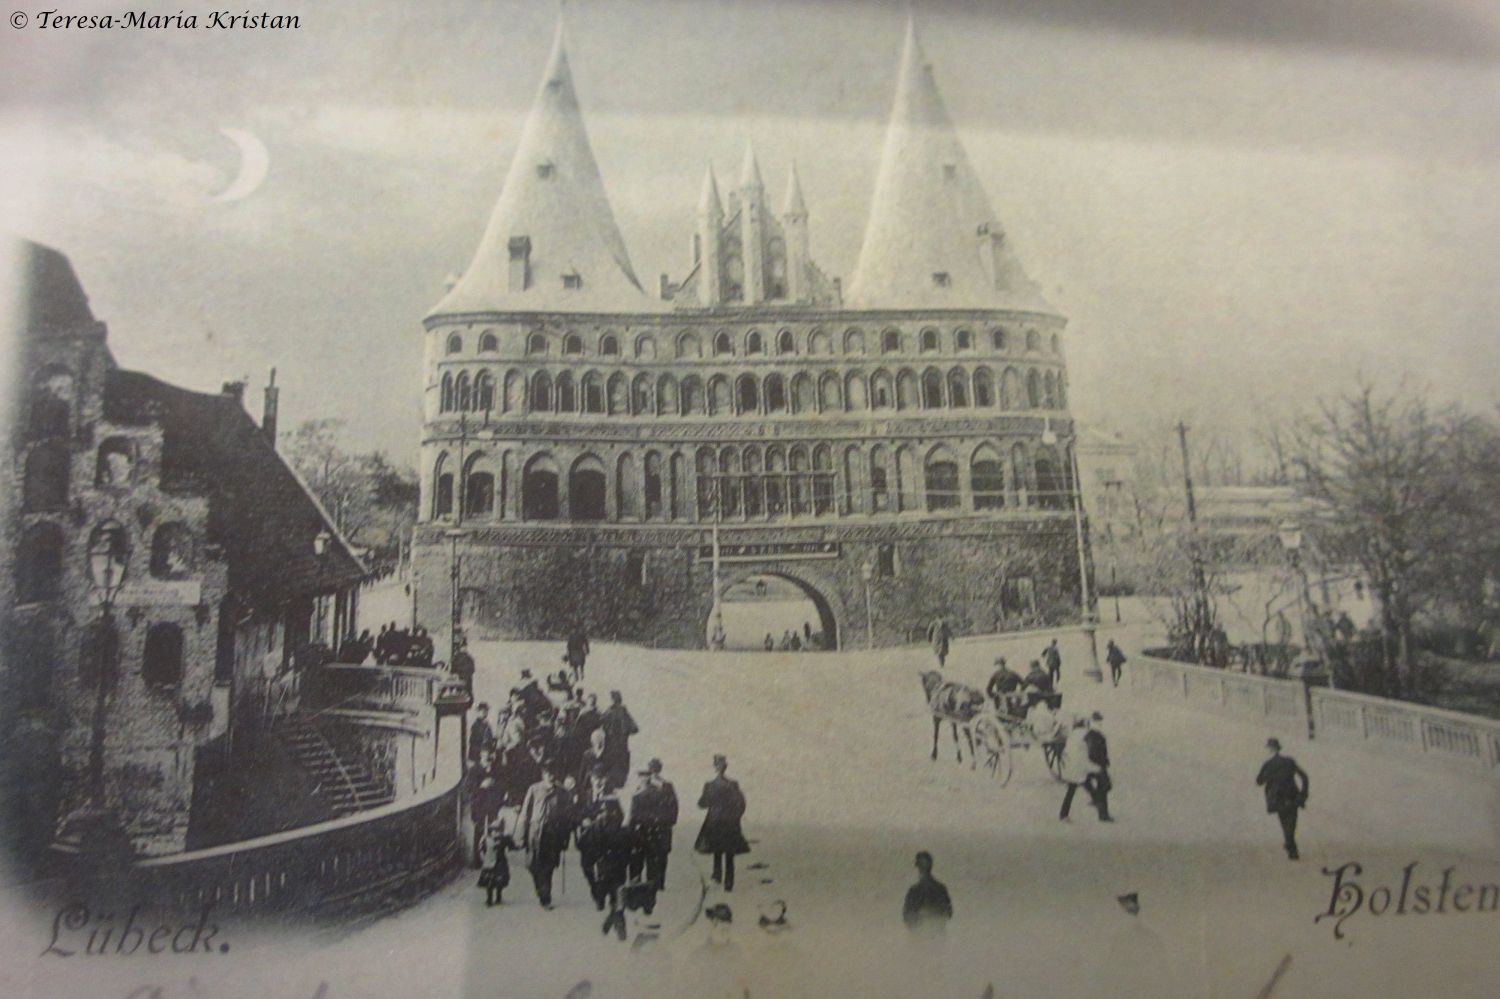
(268, 415)
(234, 390)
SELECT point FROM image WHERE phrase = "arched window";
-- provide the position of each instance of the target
(642, 396)
(958, 388)
(1033, 389)
(786, 343)
(39, 563)
(609, 345)
(463, 395)
(880, 483)
(567, 394)
(442, 488)
(854, 342)
(998, 339)
(929, 341)
(1033, 340)
(1012, 393)
(455, 343)
(755, 483)
(722, 346)
(541, 393)
(754, 344)
(799, 493)
(932, 389)
(942, 480)
(747, 394)
(729, 481)
(1051, 494)
(587, 492)
(445, 404)
(51, 402)
(484, 392)
(692, 396)
(719, 400)
(115, 464)
(984, 388)
(855, 394)
(830, 394)
(964, 340)
(822, 481)
(653, 483)
(488, 343)
(854, 465)
(882, 391)
(689, 346)
(572, 344)
(1049, 391)
(619, 394)
(45, 483)
(890, 342)
(667, 403)
(593, 392)
(539, 489)
(775, 394)
(819, 343)
(645, 347)
(627, 489)
(708, 482)
(987, 476)
(776, 482)
(908, 395)
(479, 489)
(171, 551)
(536, 345)
(161, 662)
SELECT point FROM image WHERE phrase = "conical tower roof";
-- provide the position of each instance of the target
(554, 200)
(750, 169)
(708, 199)
(930, 215)
(795, 203)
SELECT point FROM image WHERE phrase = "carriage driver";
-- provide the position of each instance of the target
(1004, 689)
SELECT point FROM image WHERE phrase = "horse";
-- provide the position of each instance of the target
(955, 703)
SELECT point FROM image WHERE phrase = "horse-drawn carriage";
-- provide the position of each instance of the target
(994, 733)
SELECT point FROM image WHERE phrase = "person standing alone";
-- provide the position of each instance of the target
(1286, 787)
(1116, 660)
(721, 835)
(927, 905)
(940, 636)
(1053, 658)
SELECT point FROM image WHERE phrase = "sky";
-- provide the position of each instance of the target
(1239, 207)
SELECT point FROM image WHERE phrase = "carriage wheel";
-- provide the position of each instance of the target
(992, 742)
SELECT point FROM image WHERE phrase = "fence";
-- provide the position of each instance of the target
(346, 864)
(1442, 737)
(1280, 704)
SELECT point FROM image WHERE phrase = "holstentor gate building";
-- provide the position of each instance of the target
(906, 432)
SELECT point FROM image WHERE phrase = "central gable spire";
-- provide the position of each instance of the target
(932, 239)
(552, 242)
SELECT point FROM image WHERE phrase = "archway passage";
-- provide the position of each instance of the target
(790, 613)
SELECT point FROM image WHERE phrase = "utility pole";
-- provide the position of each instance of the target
(1200, 580)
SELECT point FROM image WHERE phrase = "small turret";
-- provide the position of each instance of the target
(706, 240)
(794, 224)
(752, 195)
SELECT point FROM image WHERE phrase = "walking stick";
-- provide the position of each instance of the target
(564, 866)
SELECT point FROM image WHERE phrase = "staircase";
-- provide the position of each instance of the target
(342, 779)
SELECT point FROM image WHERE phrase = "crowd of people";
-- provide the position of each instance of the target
(794, 641)
(393, 646)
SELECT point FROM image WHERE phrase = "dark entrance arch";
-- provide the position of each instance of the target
(758, 602)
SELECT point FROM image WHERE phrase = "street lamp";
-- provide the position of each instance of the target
(1090, 619)
(867, 572)
(455, 617)
(1290, 533)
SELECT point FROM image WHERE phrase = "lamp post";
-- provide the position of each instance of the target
(1090, 619)
(1292, 540)
(867, 572)
(455, 617)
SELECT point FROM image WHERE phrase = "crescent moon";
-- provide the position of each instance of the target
(255, 163)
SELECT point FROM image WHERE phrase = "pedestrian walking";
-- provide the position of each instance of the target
(1085, 764)
(481, 735)
(602, 851)
(653, 814)
(1286, 787)
(618, 727)
(1116, 660)
(940, 636)
(462, 666)
(721, 835)
(484, 796)
(495, 877)
(1052, 656)
(578, 653)
(927, 906)
(546, 822)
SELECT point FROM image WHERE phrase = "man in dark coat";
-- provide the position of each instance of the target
(939, 635)
(481, 735)
(601, 822)
(618, 727)
(484, 797)
(1116, 660)
(462, 665)
(523, 769)
(588, 717)
(1286, 787)
(546, 822)
(721, 834)
(1004, 687)
(653, 813)
(578, 652)
(534, 702)
(927, 905)
(1053, 658)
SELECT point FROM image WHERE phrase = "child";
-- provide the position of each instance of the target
(496, 874)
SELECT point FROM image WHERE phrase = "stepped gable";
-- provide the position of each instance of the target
(552, 243)
(933, 240)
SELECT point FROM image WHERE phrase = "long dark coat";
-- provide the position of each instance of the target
(1286, 783)
(546, 822)
(721, 826)
(653, 813)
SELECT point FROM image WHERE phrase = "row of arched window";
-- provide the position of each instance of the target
(689, 344)
(752, 481)
(42, 546)
(47, 473)
(38, 644)
(750, 394)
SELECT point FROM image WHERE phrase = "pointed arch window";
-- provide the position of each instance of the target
(942, 481)
(593, 393)
(854, 342)
(51, 402)
(747, 394)
(754, 344)
(479, 489)
(958, 389)
(720, 401)
(442, 488)
(541, 393)
(1033, 389)
(484, 392)
(567, 395)
(932, 389)
(645, 348)
(692, 396)
(775, 394)
(984, 388)
(462, 393)
(539, 489)
(643, 396)
(1033, 341)
(998, 339)
(619, 394)
(987, 476)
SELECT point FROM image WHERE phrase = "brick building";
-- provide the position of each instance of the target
(223, 565)
(908, 436)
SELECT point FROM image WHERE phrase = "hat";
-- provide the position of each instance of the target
(655, 766)
(720, 760)
(1129, 898)
(1273, 743)
(526, 674)
(482, 706)
(719, 913)
(999, 660)
(1096, 716)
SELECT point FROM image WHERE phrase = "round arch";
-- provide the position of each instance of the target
(819, 589)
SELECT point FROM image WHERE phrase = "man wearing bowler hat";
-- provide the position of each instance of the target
(653, 813)
(1286, 787)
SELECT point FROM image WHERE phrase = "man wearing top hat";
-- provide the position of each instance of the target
(721, 835)
(653, 814)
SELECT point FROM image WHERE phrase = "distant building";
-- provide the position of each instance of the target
(229, 567)
(1106, 478)
(908, 434)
